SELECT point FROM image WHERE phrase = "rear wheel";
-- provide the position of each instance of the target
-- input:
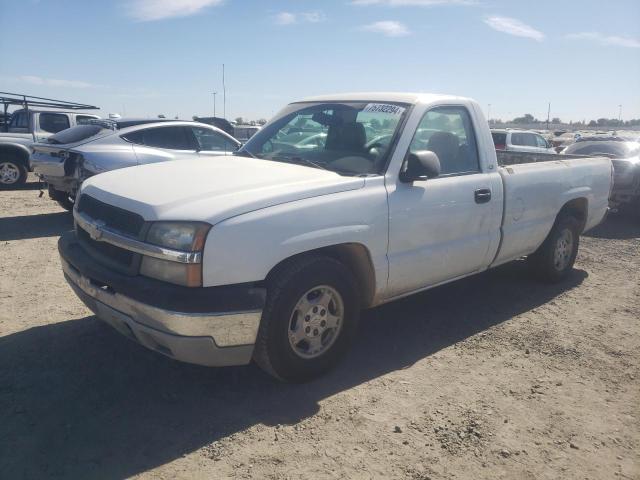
(309, 320)
(12, 173)
(555, 258)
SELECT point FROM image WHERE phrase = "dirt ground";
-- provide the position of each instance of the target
(495, 377)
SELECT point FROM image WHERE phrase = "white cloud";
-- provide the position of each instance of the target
(285, 18)
(288, 18)
(513, 26)
(607, 40)
(151, 10)
(413, 3)
(388, 28)
(55, 82)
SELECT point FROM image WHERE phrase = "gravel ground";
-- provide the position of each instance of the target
(494, 377)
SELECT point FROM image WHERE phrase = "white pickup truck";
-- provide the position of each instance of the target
(271, 254)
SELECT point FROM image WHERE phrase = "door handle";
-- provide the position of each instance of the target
(483, 195)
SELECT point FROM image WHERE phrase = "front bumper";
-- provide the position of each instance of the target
(214, 326)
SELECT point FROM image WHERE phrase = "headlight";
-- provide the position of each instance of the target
(186, 236)
(183, 236)
(186, 274)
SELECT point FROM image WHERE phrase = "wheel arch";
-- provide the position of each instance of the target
(577, 208)
(20, 152)
(355, 256)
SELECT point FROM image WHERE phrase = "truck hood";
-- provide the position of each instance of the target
(212, 189)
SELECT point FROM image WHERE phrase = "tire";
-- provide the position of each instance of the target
(61, 198)
(12, 172)
(291, 328)
(554, 260)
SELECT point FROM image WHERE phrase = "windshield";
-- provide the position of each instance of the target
(78, 134)
(349, 138)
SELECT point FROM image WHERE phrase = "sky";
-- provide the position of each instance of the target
(151, 57)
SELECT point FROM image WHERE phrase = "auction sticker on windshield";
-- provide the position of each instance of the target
(383, 108)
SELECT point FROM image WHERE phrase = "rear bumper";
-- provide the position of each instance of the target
(214, 327)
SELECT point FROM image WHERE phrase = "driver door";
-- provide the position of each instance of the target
(442, 228)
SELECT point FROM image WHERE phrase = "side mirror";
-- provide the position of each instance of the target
(421, 165)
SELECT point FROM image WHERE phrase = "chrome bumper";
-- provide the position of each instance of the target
(210, 339)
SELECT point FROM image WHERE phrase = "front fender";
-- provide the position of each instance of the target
(245, 248)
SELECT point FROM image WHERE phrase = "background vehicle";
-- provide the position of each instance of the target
(521, 141)
(38, 119)
(221, 123)
(245, 132)
(626, 164)
(66, 159)
(272, 254)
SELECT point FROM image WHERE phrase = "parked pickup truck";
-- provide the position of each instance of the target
(25, 128)
(271, 254)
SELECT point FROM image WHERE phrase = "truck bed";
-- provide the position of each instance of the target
(536, 186)
(516, 158)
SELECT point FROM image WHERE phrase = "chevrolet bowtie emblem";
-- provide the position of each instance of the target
(96, 232)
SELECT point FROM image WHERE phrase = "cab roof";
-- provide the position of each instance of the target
(395, 97)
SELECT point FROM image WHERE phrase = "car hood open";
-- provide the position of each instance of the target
(212, 189)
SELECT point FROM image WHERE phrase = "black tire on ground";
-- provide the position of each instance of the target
(274, 352)
(61, 198)
(554, 260)
(13, 173)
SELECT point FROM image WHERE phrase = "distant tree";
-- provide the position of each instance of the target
(194, 117)
(161, 116)
(527, 118)
(593, 123)
(240, 121)
(262, 121)
(556, 120)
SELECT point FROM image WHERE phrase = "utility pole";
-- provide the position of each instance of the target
(620, 115)
(489, 113)
(548, 115)
(214, 103)
(224, 95)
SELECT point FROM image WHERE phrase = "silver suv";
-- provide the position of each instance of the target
(66, 159)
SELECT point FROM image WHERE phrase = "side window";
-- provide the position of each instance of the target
(530, 140)
(518, 139)
(210, 140)
(19, 120)
(542, 143)
(448, 132)
(54, 122)
(172, 138)
(83, 119)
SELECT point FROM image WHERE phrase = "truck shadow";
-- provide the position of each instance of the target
(79, 401)
(35, 226)
(617, 227)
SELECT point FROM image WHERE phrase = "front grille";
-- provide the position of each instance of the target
(119, 220)
(115, 218)
(124, 258)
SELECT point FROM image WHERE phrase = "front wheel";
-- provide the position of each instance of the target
(554, 260)
(12, 173)
(309, 320)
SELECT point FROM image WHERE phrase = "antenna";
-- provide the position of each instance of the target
(224, 95)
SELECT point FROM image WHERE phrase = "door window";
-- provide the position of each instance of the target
(54, 122)
(542, 143)
(211, 141)
(171, 138)
(19, 120)
(83, 119)
(448, 132)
